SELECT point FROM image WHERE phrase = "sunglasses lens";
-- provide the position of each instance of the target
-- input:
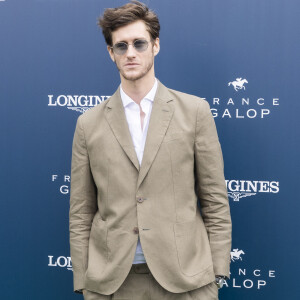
(140, 45)
(120, 48)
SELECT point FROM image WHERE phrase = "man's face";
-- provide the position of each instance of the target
(134, 65)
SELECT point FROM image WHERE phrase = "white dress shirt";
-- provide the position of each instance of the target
(138, 135)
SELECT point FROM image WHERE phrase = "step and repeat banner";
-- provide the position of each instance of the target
(242, 56)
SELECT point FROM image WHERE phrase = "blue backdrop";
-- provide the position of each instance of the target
(241, 55)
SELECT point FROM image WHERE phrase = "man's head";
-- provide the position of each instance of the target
(114, 18)
(132, 36)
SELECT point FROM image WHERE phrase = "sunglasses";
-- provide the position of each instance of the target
(122, 47)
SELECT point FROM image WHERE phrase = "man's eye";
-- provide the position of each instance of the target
(121, 46)
(139, 43)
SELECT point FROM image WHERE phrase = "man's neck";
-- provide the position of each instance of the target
(138, 89)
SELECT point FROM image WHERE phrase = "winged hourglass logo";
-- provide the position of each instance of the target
(237, 195)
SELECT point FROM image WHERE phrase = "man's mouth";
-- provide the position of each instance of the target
(131, 65)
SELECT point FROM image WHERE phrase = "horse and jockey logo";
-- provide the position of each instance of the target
(235, 254)
(238, 84)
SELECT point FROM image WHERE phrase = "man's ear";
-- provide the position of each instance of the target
(156, 46)
(111, 53)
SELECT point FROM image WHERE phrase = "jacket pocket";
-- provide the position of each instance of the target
(98, 251)
(193, 249)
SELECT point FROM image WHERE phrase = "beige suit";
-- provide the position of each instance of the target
(114, 200)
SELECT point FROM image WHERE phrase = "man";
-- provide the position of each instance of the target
(141, 161)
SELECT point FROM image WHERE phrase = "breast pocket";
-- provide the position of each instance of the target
(173, 135)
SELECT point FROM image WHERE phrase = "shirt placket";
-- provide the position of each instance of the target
(138, 131)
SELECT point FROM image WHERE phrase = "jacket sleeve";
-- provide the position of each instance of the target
(83, 206)
(211, 189)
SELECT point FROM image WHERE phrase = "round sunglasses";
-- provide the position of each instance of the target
(122, 47)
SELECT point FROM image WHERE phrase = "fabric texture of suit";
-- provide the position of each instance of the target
(113, 199)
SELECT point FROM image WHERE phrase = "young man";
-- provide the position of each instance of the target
(140, 162)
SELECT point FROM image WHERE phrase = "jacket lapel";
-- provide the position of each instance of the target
(160, 118)
(115, 116)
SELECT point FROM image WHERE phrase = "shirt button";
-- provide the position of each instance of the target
(136, 230)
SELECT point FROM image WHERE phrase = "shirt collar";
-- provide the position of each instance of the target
(150, 96)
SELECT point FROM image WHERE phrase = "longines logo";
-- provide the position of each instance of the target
(63, 183)
(247, 278)
(80, 103)
(241, 105)
(238, 189)
(60, 262)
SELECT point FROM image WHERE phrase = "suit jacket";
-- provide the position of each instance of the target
(114, 200)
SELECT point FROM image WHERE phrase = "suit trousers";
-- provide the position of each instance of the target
(141, 285)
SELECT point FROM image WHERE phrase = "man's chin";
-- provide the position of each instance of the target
(132, 76)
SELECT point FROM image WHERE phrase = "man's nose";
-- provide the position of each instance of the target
(131, 52)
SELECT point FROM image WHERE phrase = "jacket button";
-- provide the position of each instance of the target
(136, 230)
(140, 199)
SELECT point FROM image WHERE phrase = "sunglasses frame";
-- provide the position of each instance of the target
(127, 45)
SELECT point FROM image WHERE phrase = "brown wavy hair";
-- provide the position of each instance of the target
(114, 18)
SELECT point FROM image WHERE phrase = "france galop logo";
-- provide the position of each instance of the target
(238, 84)
(235, 254)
